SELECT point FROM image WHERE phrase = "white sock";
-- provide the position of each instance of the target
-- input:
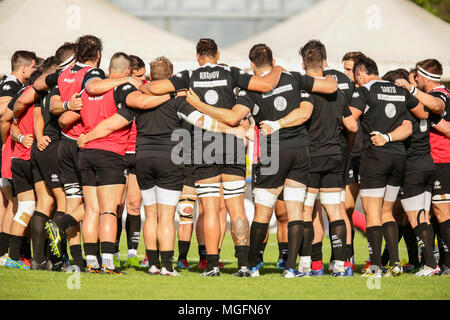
(107, 260)
(304, 263)
(132, 253)
(338, 266)
(92, 261)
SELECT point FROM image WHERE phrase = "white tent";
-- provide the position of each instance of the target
(42, 26)
(395, 33)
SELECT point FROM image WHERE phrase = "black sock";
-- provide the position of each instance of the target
(261, 251)
(331, 243)
(411, 245)
(295, 239)
(25, 248)
(424, 241)
(352, 245)
(133, 230)
(440, 242)
(4, 243)
(59, 215)
(338, 235)
(166, 260)
(202, 251)
(242, 253)
(385, 256)
(153, 258)
(348, 252)
(282, 250)
(445, 234)
(183, 249)
(390, 233)
(14, 247)
(77, 255)
(90, 248)
(38, 235)
(316, 251)
(118, 234)
(375, 239)
(212, 261)
(258, 233)
(66, 222)
(308, 237)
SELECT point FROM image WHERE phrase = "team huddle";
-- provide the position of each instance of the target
(79, 146)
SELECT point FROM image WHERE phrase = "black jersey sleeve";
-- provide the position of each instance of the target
(121, 93)
(440, 95)
(240, 77)
(245, 98)
(435, 118)
(127, 113)
(9, 89)
(306, 96)
(305, 82)
(359, 99)
(92, 74)
(180, 80)
(347, 112)
(52, 79)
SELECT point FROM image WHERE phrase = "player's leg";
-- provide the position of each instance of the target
(317, 268)
(7, 220)
(223, 213)
(308, 237)
(4, 239)
(186, 223)
(200, 237)
(133, 220)
(282, 222)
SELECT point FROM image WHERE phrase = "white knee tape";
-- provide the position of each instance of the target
(310, 199)
(414, 203)
(343, 195)
(167, 197)
(427, 201)
(73, 190)
(207, 189)
(25, 210)
(441, 198)
(4, 183)
(373, 193)
(185, 208)
(391, 193)
(264, 197)
(233, 189)
(294, 194)
(149, 196)
(330, 197)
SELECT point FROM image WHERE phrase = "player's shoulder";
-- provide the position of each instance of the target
(10, 82)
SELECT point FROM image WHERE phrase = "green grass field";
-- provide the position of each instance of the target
(136, 284)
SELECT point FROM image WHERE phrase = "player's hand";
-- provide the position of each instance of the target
(378, 139)
(81, 141)
(75, 103)
(27, 140)
(135, 82)
(192, 98)
(403, 83)
(268, 127)
(182, 93)
(43, 143)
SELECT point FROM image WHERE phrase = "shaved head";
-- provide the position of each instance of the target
(119, 63)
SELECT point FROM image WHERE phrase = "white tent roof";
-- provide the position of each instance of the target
(395, 33)
(42, 26)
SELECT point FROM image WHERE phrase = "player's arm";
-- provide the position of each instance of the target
(266, 83)
(38, 128)
(57, 106)
(434, 104)
(138, 100)
(327, 85)
(158, 87)
(103, 129)
(443, 127)
(68, 118)
(400, 133)
(5, 124)
(295, 118)
(230, 117)
(4, 101)
(349, 122)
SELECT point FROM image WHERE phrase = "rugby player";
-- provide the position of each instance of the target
(381, 107)
(22, 66)
(160, 180)
(215, 85)
(428, 79)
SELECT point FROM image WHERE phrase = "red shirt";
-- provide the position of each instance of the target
(25, 125)
(7, 151)
(440, 144)
(96, 109)
(70, 82)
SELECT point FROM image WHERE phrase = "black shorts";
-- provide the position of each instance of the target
(293, 164)
(189, 177)
(159, 172)
(68, 161)
(355, 163)
(206, 171)
(379, 169)
(441, 181)
(326, 172)
(130, 159)
(417, 182)
(348, 173)
(22, 175)
(45, 165)
(101, 168)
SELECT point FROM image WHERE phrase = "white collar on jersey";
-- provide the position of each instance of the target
(265, 73)
(371, 82)
(209, 64)
(10, 77)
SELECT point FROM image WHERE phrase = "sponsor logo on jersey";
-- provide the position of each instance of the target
(437, 185)
(97, 98)
(423, 125)
(95, 72)
(69, 80)
(6, 87)
(55, 177)
(127, 87)
(255, 110)
(280, 103)
(242, 93)
(355, 95)
(390, 110)
(211, 97)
